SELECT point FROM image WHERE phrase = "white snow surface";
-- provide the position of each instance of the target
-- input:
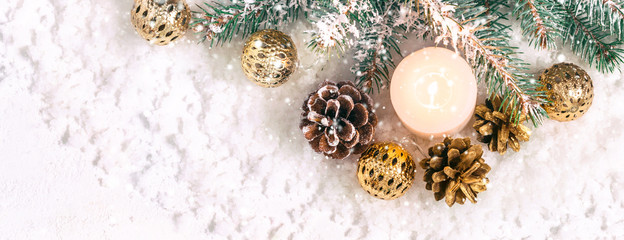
(103, 136)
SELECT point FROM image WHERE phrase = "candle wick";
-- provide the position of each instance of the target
(432, 90)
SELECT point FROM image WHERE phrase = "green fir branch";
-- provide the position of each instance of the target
(538, 22)
(493, 10)
(588, 40)
(380, 41)
(325, 11)
(220, 23)
(609, 14)
(374, 60)
(317, 47)
(332, 33)
(371, 28)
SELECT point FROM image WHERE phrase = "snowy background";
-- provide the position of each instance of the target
(103, 136)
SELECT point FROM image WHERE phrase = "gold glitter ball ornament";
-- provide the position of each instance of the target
(386, 170)
(269, 58)
(160, 21)
(569, 89)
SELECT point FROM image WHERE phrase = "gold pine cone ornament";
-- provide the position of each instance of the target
(455, 171)
(386, 170)
(496, 129)
(269, 58)
(160, 21)
(569, 89)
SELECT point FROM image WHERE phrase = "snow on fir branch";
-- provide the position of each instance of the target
(220, 23)
(594, 29)
(616, 8)
(609, 13)
(374, 52)
(487, 50)
(333, 25)
(537, 22)
(373, 28)
(373, 59)
(588, 40)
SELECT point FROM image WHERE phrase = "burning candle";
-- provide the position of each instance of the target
(434, 92)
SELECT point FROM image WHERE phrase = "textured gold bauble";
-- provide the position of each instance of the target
(570, 91)
(269, 58)
(160, 21)
(386, 170)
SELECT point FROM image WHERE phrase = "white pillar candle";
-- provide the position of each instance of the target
(434, 92)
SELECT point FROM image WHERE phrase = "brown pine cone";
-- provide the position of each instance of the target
(455, 171)
(495, 128)
(338, 119)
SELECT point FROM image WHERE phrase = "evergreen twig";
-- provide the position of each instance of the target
(537, 22)
(609, 13)
(220, 23)
(374, 52)
(332, 27)
(373, 64)
(588, 40)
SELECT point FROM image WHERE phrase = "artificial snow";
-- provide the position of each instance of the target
(104, 136)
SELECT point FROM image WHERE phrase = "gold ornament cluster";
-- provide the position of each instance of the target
(386, 170)
(454, 170)
(269, 58)
(569, 89)
(161, 21)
